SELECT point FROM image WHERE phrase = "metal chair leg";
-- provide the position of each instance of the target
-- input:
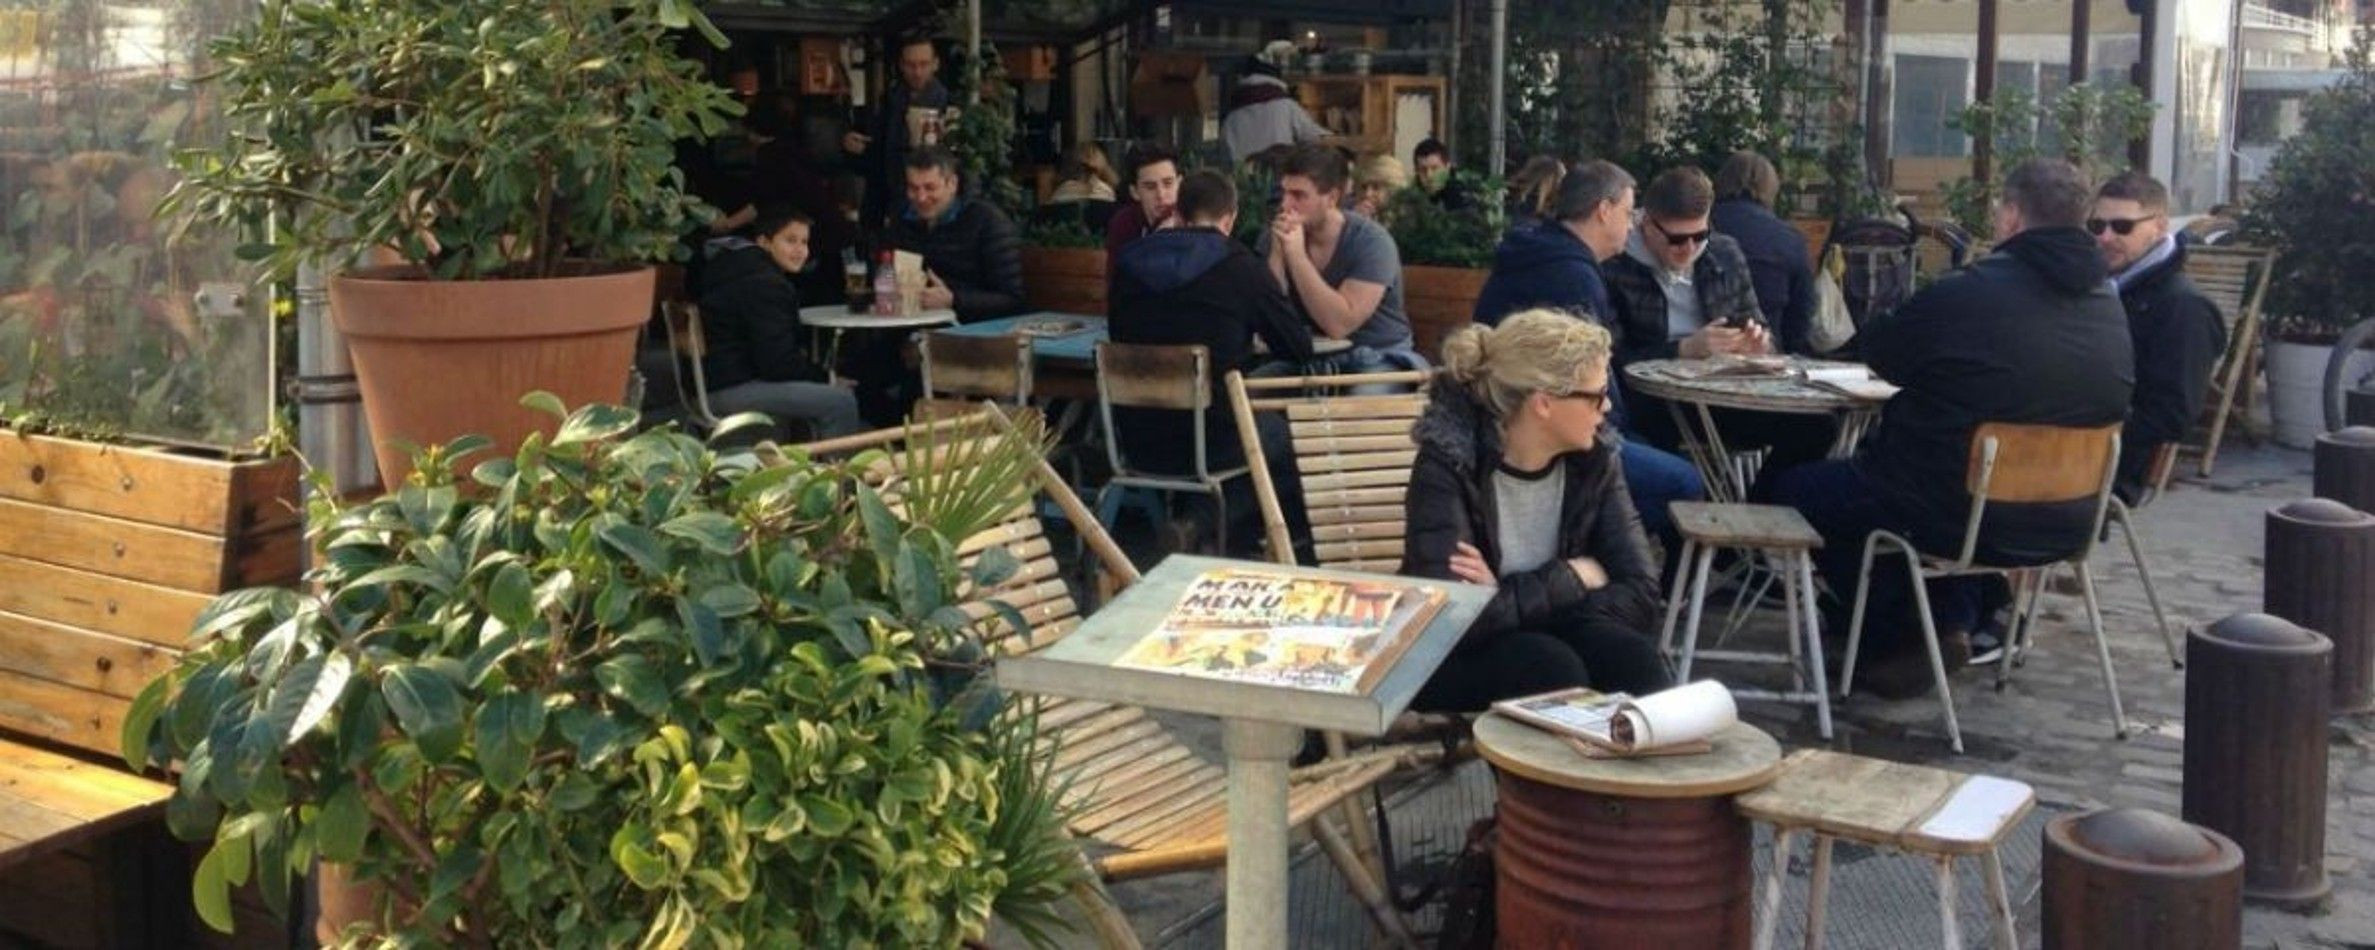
(1690, 635)
(1682, 581)
(1813, 632)
(1929, 633)
(1999, 901)
(2152, 595)
(2094, 622)
(1855, 619)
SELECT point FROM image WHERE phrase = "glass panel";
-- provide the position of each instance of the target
(1930, 89)
(106, 324)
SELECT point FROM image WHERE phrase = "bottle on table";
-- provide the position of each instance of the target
(886, 285)
(855, 285)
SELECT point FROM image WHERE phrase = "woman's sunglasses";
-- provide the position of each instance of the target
(2120, 226)
(1599, 395)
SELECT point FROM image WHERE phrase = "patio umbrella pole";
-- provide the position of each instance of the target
(1496, 82)
(973, 48)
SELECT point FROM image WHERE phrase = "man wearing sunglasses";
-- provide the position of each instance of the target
(2176, 330)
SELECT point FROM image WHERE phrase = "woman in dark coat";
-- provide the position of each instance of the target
(1518, 486)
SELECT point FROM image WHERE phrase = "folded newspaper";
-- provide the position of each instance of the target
(1677, 721)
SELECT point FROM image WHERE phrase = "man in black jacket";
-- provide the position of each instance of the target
(2177, 332)
(973, 255)
(2029, 334)
(1778, 263)
(1194, 284)
(916, 102)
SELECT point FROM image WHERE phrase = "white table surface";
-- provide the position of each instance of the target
(1263, 725)
(834, 316)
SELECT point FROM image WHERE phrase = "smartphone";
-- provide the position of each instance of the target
(1739, 321)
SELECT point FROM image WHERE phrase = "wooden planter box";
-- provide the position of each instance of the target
(1065, 279)
(107, 553)
(1439, 301)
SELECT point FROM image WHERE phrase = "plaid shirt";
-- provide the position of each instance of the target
(1720, 276)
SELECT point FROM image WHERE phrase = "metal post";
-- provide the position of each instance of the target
(973, 49)
(2081, 39)
(1497, 118)
(2255, 750)
(331, 431)
(1983, 88)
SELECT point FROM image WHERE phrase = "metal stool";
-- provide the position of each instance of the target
(1786, 543)
(1934, 813)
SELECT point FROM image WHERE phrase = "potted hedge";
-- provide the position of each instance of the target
(1064, 262)
(1446, 255)
(2314, 207)
(626, 689)
(510, 166)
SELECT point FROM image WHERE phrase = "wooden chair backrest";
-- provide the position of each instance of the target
(1155, 377)
(2041, 463)
(2234, 278)
(1354, 453)
(978, 367)
(684, 328)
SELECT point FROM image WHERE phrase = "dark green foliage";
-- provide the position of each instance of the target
(2316, 207)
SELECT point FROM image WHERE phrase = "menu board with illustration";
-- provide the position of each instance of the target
(1277, 629)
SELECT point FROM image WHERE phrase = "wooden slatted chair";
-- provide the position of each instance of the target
(962, 368)
(2236, 279)
(1354, 455)
(1145, 803)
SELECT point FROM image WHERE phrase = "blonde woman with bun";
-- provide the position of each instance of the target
(1518, 486)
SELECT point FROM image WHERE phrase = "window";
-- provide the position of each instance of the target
(1929, 91)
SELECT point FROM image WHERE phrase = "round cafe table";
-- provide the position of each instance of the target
(1692, 398)
(1641, 852)
(837, 318)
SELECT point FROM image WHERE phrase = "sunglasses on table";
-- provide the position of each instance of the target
(1695, 237)
(2120, 226)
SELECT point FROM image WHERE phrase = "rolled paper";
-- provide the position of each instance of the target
(1682, 714)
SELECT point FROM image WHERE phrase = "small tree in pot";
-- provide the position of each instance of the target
(629, 690)
(2314, 207)
(516, 158)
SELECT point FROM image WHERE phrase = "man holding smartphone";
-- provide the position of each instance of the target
(1679, 288)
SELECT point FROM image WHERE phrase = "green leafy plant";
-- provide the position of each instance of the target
(2315, 204)
(982, 137)
(1062, 226)
(2086, 125)
(1430, 235)
(481, 138)
(630, 688)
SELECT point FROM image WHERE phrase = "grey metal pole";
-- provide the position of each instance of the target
(331, 431)
(973, 48)
(1498, 119)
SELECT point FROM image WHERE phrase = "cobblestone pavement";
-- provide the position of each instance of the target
(2051, 727)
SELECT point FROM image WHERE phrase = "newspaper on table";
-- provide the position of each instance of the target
(1677, 721)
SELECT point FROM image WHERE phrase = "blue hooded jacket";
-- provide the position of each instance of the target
(1543, 265)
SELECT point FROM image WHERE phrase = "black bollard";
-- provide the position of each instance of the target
(2126, 877)
(2320, 573)
(2255, 749)
(2346, 467)
(2358, 407)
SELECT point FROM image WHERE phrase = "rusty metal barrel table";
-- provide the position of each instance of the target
(2320, 569)
(2255, 749)
(2346, 467)
(1644, 852)
(2127, 877)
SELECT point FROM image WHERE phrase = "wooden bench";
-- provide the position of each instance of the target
(106, 555)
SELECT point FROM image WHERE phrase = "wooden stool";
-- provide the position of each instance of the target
(1643, 852)
(1930, 812)
(1786, 542)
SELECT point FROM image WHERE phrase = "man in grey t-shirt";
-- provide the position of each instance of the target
(1341, 269)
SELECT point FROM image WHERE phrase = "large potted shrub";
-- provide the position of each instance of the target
(2316, 208)
(1064, 262)
(1446, 256)
(509, 163)
(627, 689)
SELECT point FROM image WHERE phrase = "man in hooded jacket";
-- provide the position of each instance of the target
(2030, 334)
(1263, 111)
(1194, 284)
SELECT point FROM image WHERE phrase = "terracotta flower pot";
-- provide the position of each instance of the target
(341, 900)
(439, 359)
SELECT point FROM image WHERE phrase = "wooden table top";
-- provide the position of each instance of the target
(1668, 379)
(1744, 757)
(1913, 807)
